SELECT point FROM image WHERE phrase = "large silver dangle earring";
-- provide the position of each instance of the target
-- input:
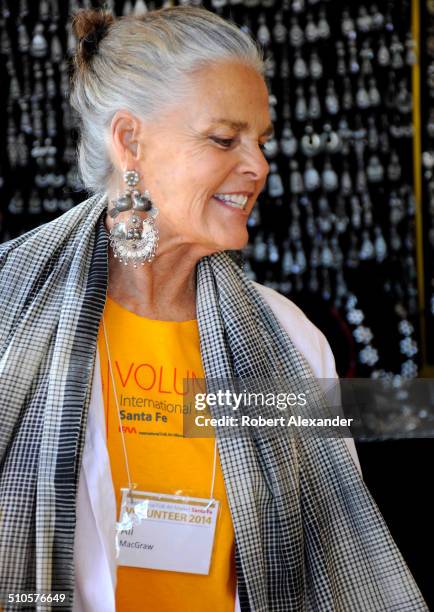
(134, 239)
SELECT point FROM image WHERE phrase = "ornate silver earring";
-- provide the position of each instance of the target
(134, 239)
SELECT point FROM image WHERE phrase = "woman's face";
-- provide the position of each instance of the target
(212, 143)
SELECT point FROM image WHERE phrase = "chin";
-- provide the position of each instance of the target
(223, 240)
(235, 244)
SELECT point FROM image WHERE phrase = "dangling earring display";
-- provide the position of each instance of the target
(135, 239)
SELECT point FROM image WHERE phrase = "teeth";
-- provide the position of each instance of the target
(238, 200)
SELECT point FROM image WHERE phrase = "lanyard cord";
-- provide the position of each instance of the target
(127, 467)
(211, 494)
(124, 446)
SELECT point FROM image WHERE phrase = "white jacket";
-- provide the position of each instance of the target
(94, 546)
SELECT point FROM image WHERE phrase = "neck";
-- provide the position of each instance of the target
(163, 289)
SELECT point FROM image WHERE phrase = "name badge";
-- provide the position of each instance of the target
(166, 532)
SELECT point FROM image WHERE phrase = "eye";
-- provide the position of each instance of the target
(228, 142)
(224, 142)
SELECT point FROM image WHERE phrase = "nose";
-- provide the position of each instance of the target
(254, 163)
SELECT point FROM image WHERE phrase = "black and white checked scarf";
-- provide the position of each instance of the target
(308, 534)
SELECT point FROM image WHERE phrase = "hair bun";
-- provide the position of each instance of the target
(89, 27)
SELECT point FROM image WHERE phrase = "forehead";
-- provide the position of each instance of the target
(232, 91)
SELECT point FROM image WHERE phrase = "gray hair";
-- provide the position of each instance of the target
(140, 64)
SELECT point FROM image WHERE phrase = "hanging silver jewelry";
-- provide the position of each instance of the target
(331, 99)
(300, 105)
(315, 66)
(312, 180)
(287, 259)
(280, 31)
(259, 248)
(263, 34)
(296, 34)
(341, 68)
(374, 170)
(397, 49)
(311, 31)
(367, 56)
(374, 94)
(310, 143)
(288, 142)
(314, 107)
(411, 54)
(362, 95)
(39, 45)
(329, 177)
(295, 179)
(300, 67)
(367, 250)
(273, 251)
(135, 239)
(383, 54)
(347, 24)
(330, 140)
(275, 184)
(323, 26)
(347, 97)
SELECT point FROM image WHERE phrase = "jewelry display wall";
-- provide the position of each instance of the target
(38, 177)
(337, 219)
(334, 228)
(427, 142)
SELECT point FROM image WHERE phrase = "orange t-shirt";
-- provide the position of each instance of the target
(150, 359)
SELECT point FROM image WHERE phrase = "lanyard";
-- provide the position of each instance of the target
(131, 484)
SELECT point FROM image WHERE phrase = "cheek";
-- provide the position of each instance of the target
(183, 184)
(206, 166)
(188, 211)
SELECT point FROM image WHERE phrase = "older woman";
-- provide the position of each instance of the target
(109, 307)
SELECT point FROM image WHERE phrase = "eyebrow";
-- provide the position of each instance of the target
(240, 126)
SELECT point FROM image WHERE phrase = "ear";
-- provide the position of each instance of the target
(125, 130)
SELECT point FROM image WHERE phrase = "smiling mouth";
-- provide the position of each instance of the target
(234, 201)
